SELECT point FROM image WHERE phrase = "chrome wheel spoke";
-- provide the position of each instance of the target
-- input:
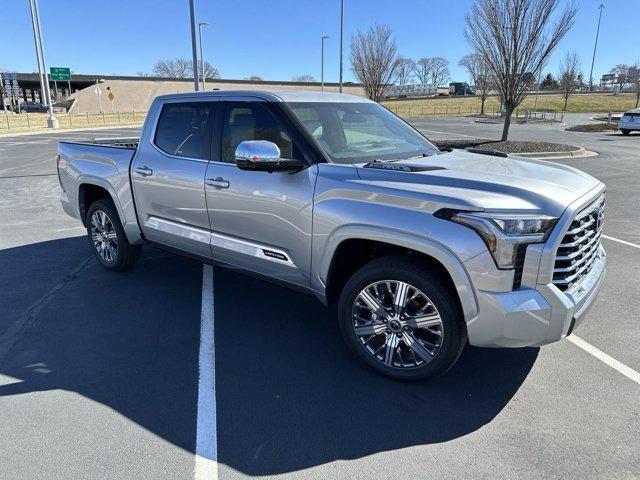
(390, 346)
(370, 302)
(424, 321)
(416, 347)
(400, 295)
(369, 329)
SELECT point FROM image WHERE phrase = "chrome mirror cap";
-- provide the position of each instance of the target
(256, 151)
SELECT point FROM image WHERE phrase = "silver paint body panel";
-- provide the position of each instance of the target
(300, 219)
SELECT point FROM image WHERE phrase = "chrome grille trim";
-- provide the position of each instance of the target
(579, 246)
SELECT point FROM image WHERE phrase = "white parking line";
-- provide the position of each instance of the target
(624, 242)
(600, 355)
(206, 464)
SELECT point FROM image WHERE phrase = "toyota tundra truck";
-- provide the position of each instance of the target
(422, 250)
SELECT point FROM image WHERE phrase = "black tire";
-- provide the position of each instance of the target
(126, 254)
(23, 112)
(625, 131)
(409, 270)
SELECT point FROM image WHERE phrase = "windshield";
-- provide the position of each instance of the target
(360, 132)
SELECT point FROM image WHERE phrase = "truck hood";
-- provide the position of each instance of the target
(472, 181)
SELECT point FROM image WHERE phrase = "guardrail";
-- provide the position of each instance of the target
(38, 121)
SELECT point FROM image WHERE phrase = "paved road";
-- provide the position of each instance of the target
(99, 372)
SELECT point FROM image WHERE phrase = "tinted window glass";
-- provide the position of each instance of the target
(182, 129)
(252, 121)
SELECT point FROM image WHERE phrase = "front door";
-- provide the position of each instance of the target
(260, 221)
(168, 175)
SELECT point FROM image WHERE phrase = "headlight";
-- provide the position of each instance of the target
(504, 232)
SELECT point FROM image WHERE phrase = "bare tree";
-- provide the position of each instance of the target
(182, 68)
(374, 60)
(173, 68)
(480, 76)
(622, 72)
(569, 74)
(405, 70)
(303, 78)
(439, 70)
(432, 69)
(140, 73)
(254, 78)
(633, 77)
(422, 70)
(515, 38)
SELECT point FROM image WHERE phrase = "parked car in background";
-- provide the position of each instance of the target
(32, 107)
(333, 195)
(630, 121)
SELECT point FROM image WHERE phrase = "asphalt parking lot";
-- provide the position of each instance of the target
(100, 372)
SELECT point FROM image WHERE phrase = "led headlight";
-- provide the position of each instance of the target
(504, 232)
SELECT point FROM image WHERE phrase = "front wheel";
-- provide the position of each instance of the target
(625, 131)
(107, 238)
(402, 319)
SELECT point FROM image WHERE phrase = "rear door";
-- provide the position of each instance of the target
(260, 221)
(168, 174)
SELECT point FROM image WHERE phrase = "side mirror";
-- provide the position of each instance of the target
(264, 156)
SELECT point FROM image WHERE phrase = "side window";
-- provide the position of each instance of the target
(182, 129)
(252, 121)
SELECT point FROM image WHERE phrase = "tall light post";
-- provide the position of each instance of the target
(194, 46)
(200, 25)
(324, 37)
(341, 38)
(52, 121)
(595, 46)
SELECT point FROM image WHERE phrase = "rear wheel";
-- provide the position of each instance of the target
(107, 238)
(625, 131)
(402, 319)
(23, 111)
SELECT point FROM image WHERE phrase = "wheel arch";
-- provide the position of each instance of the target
(351, 247)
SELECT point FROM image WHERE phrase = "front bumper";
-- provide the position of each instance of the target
(534, 316)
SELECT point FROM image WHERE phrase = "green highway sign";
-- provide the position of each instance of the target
(60, 74)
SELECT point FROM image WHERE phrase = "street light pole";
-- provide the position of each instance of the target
(52, 121)
(324, 37)
(595, 46)
(200, 25)
(341, 38)
(35, 41)
(194, 45)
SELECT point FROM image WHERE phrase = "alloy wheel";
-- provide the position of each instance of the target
(103, 236)
(397, 324)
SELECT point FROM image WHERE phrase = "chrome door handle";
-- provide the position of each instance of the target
(217, 182)
(144, 171)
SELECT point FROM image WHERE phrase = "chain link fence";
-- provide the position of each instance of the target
(23, 122)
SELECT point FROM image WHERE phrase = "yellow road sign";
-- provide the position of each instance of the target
(111, 96)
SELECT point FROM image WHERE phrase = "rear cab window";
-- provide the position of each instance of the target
(183, 129)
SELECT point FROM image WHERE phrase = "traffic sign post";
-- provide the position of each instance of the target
(98, 92)
(62, 74)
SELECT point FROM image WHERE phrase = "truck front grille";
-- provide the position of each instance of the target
(579, 247)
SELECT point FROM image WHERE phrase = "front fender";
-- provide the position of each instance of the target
(427, 246)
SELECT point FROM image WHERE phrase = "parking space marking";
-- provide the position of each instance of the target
(624, 242)
(206, 464)
(603, 357)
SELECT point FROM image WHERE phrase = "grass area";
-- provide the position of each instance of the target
(578, 103)
(594, 127)
(38, 121)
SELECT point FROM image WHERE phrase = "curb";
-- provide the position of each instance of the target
(64, 130)
(579, 153)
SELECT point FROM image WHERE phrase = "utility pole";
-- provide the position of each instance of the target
(324, 37)
(341, 38)
(194, 45)
(593, 60)
(200, 25)
(35, 40)
(52, 121)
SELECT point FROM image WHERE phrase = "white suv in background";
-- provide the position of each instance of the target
(630, 121)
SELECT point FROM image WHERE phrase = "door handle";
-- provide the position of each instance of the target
(144, 171)
(217, 182)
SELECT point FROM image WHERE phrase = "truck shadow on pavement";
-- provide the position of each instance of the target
(289, 395)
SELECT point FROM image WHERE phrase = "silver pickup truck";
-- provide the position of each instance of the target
(423, 250)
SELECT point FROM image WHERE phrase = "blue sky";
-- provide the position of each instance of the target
(275, 39)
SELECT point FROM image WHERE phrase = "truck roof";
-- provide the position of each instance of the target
(275, 95)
